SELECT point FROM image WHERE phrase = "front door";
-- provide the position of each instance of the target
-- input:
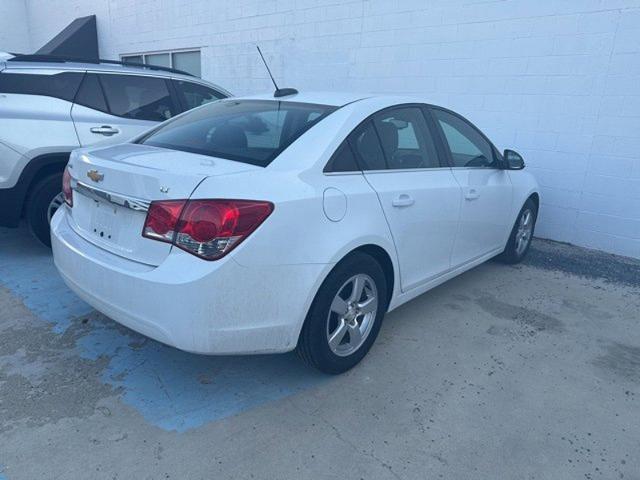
(486, 189)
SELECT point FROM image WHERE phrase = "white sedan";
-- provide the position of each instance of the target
(264, 224)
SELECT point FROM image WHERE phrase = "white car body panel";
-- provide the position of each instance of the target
(26, 130)
(484, 217)
(84, 119)
(255, 299)
(423, 210)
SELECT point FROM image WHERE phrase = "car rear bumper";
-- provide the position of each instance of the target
(204, 307)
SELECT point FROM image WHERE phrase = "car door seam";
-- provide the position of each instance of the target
(393, 238)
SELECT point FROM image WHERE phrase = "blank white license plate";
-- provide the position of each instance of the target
(104, 221)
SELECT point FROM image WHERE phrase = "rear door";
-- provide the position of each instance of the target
(418, 193)
(486, 188)
(113, 108)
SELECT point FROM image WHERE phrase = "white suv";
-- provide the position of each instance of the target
(50, 106)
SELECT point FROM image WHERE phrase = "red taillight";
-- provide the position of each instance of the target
(206, 228)
(66, 187)
(162, 219)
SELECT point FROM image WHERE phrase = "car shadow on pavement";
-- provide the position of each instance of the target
(171, 389)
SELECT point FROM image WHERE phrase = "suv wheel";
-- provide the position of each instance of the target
(44, 199)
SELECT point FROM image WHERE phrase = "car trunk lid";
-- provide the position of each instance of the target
(113, 187)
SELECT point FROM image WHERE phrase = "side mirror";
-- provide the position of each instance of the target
(513, 160)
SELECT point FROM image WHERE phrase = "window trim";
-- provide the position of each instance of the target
(445, 144)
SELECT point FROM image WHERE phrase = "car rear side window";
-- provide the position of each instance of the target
(249, 131)
(138, 97)
(60, 85)
(193, 95)
(406, 139)
(366, 146)
(90, 93)
(343, 160)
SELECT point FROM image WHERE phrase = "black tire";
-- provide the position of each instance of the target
(512, 254)
(38, 201)
(313, 344)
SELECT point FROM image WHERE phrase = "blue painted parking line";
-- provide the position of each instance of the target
(27, 270)
(171, 389)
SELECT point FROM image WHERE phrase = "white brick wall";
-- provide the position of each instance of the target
(558, 80)
(14, 28)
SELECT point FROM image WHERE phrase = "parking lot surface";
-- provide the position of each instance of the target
(529, 371)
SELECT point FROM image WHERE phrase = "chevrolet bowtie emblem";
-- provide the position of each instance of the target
(95, 175)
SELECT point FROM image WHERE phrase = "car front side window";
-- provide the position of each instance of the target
(467, 146)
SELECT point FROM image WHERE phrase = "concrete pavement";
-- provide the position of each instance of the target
(529, 371)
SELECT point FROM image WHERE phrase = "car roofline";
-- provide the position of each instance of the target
(110, 67)
(35, 58)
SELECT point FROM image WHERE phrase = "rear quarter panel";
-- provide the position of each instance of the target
(298, 231)
(35, 125)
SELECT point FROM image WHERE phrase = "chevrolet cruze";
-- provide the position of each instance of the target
(262, 224)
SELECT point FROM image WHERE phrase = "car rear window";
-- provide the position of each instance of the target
(248, 131)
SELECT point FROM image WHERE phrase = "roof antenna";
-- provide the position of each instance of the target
(280, 92)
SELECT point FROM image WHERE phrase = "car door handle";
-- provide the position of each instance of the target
(472, 195)
(105, 130)
(403, 200)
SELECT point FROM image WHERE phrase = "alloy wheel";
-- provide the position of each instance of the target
(524, 232)
(352, 315)
(55, 204)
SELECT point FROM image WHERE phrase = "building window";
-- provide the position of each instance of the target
(185, 60)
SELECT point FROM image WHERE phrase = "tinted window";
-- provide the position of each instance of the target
(468, 147)
(405, 138)
(61, 85)
(90, 93)
(250, 131)
(343, 160)
(193, 95)
(366, 146)
(140, 98)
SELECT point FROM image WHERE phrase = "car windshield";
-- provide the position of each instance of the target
(249, 131)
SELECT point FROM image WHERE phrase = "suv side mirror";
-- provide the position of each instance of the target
(513, 160)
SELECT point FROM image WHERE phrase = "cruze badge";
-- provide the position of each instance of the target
(95, 175)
